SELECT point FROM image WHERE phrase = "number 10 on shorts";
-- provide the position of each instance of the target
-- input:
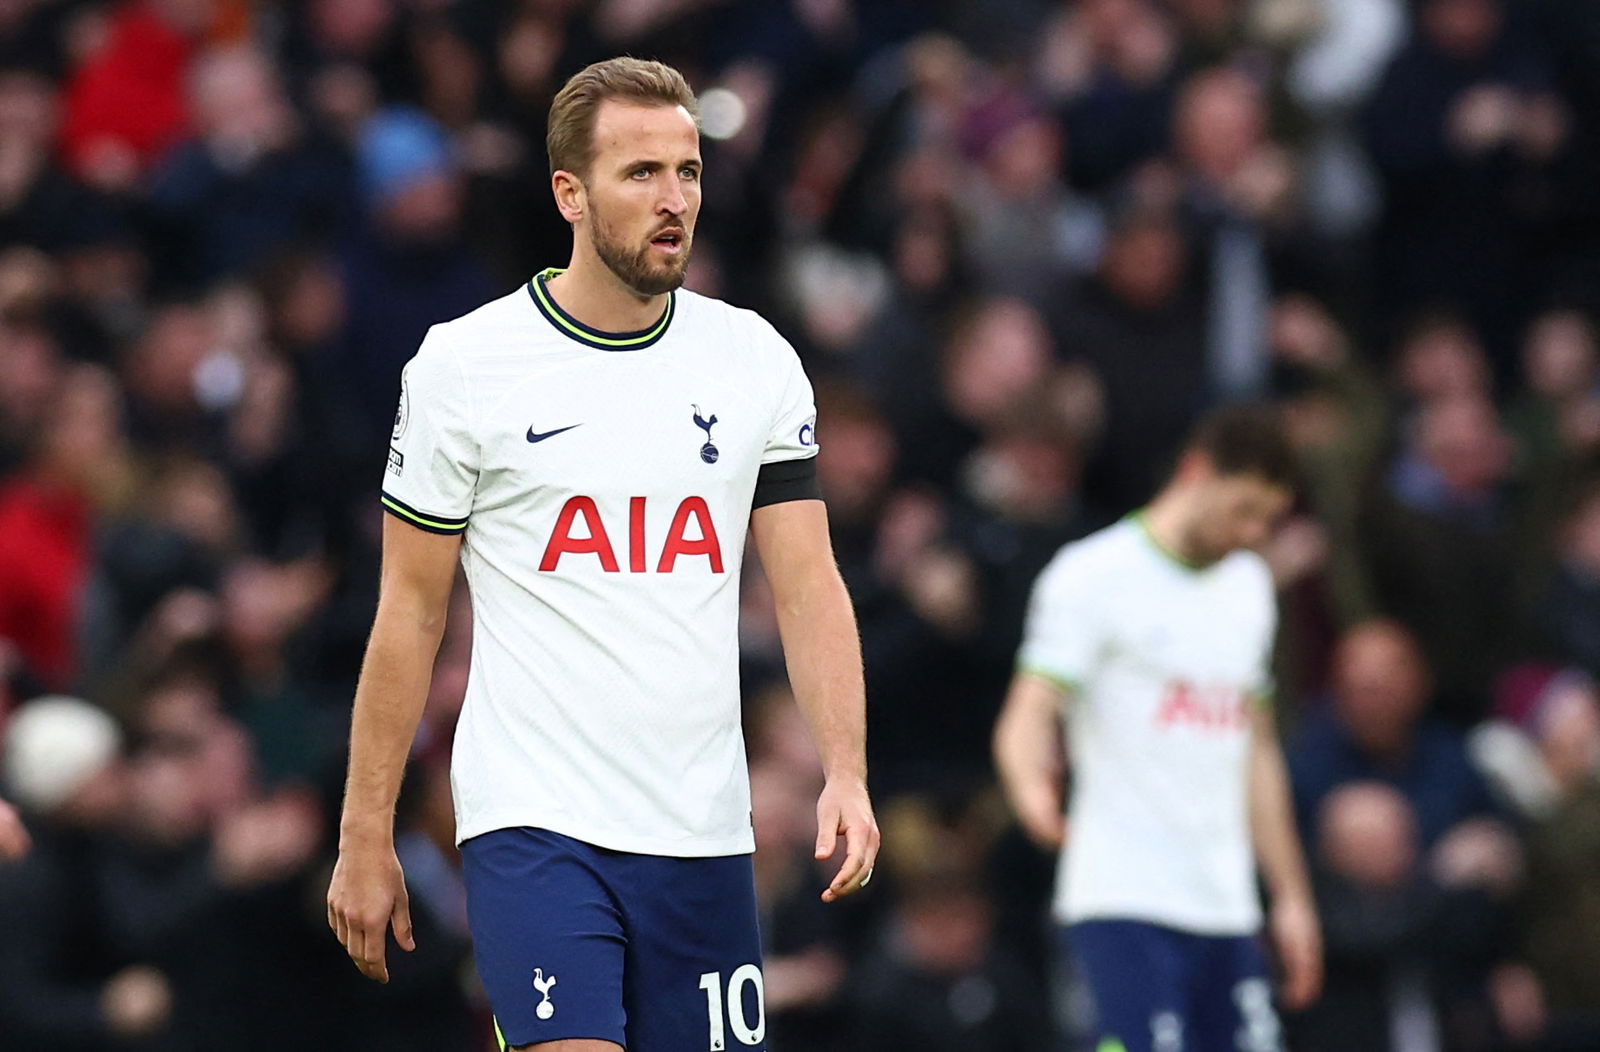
(733, 1007)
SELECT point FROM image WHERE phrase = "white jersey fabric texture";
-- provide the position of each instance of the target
(602, 485)
(1162, 661)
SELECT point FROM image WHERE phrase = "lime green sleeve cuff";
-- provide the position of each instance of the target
(422, 520)
(1061, 683)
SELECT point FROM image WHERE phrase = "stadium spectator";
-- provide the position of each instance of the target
(1463, 124)
(1442, 544)
(1111, 64)
(1137, 324)
(997, 356)
(1026, 234)
(40, 204)
(70, 986)
(1236, 187)
(1557, 417)
(408, 267)
(1440, 357)
(1567, 617)
(1561, 900)
(935, 976)
(1413, 938)
(1335, 412)
(248, 182)
(47, 511)
(124, 104)
(1377, 728)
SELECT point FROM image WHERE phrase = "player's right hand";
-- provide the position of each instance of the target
(366, 897)
(1039, 814)
(1297, 937)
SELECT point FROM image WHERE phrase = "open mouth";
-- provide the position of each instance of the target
(668, 240)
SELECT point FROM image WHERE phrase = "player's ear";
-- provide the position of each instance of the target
(571, 198)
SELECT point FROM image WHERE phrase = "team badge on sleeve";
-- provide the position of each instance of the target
(402, 413)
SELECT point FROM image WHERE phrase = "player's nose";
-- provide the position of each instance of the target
(672, 202)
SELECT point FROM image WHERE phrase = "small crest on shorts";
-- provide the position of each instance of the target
(543, 985)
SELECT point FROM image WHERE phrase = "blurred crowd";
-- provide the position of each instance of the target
(1020, 245)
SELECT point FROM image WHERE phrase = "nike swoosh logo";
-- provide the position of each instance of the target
(534, 436)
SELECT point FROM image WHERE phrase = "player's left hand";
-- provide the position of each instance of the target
(844, 810)
(1297, 937)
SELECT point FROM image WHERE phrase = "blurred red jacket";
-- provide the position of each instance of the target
(45, 551)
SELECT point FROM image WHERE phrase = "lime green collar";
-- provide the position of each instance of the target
(1141, 520)
(589, 336)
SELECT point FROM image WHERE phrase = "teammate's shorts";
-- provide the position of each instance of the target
(574, 941)
(1159, 990)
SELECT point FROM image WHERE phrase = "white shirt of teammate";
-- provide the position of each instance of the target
(1162, 660)
(602, 484)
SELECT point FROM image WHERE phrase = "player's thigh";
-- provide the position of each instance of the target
(1134, 973)
(694, 981)
(1233, 1009)
(547, 937)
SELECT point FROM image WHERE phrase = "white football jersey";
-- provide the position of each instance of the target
(1162, 661)
(602, 484)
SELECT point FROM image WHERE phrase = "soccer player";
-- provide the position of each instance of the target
(1150, 641)
(594, 447)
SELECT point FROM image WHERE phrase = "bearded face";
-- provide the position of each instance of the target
(651, 263)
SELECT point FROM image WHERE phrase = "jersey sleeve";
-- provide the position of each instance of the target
(433, 456)
(793, 434)
(1063, 635)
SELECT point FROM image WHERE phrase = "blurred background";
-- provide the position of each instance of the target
(1020, 246)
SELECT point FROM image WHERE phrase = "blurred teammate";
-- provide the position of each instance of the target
(1154, 636)
(594, 448)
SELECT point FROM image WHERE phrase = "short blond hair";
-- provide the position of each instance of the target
(570, 137)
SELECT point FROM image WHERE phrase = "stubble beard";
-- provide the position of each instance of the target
(633, 267)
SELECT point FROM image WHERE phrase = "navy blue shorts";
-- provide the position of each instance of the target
(1159, 990)
(574, 941)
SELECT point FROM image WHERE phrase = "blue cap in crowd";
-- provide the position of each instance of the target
(399, 147)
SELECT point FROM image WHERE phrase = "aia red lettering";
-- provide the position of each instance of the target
(677, 544)
(1208, 708)
(562, 540)
(596, 541)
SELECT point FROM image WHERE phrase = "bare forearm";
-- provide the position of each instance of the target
(1026, 752)
(1272, 828)
(389, 700)
(1029, 759)
(823, 654)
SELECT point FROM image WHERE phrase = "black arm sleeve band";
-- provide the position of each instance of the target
(786, 480)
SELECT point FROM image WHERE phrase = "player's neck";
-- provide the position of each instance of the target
(1166, 520)
(589, 292)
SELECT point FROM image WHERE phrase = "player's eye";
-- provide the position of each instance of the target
(641, 173)
(689, 172)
